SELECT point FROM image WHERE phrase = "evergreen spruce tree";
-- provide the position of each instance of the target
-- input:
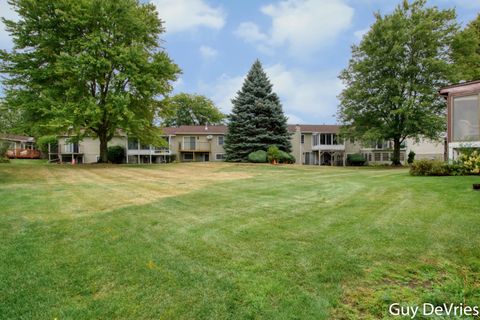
(257, 120)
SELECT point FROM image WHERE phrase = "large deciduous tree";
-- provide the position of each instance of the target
(466, 52)
(190, 109)
(257, 120)
(393, 77)
(12, 120)
(88, 67)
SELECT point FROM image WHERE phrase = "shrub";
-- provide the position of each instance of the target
(471, 161)
(3, 152)
(44, 141)
(355, 159)
(259, 156)
(456, 169)
(273, 154)
(434, 168)
(411, 157)
(116, 154)
(285, 157)
(421, 168)
(439, 169)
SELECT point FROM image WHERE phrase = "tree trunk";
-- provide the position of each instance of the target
(396, 152)
(103, 147)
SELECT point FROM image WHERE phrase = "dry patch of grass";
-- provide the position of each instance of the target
(78, 190)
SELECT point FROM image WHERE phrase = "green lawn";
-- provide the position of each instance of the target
(225, 241)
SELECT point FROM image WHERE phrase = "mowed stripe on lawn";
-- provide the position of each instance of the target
(239, 241)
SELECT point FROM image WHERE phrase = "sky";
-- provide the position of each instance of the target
(302, 44)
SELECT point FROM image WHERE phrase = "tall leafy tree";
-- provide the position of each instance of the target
(12, 120)
(466, 52)
(88, 67)
(394, 74)
(190, 109)
(257, 120)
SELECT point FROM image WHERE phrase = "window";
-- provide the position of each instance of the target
(220, 156)
(189, 143)
(315, 139)
(144, 146)
(71, 148)
(132, 143)
(188, 156)
(377, 156)
(307, 158)
(329, 139)
(220, 140)
(369, 157)
(466, 118)
(386, 157)
(302, 139)
(402, 156)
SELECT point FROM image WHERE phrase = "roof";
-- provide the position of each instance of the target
(322, 128)
(461, 87)
(15, 137)
(325, 128)
(195, 130)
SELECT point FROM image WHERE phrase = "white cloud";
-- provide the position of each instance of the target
(293, 119)
(223, 90)
(182, 15)
(250, 32)
(310, 94)
(208, 52)
(303, 26)
(8, 13)
(303, 95)
(178, 85)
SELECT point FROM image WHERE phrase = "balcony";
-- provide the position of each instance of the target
(329, 147)
(70, 148)
(194, 146)
(152, 151)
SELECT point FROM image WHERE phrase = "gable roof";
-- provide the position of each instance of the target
(221, 129)
(321, 128)
(16, 137)
(195, 130)
(460, 87)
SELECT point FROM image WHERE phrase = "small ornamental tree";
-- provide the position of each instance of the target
(257, 120)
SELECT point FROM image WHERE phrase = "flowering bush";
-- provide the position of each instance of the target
(471, 161)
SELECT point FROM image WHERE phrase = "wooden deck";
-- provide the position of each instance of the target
(23, 154)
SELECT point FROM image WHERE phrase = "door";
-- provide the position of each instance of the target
(189, 143)
(206, 157)
(307, 157)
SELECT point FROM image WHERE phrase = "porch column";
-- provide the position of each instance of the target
(450, 153)
(344, 159)
(126, 150)
(138, 150)
(150, 155)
